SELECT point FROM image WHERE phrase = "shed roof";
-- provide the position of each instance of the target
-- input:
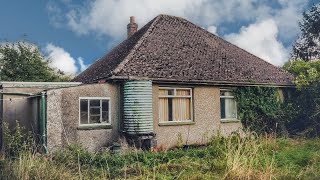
(171, 48)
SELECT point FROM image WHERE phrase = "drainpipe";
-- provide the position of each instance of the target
(44, 121)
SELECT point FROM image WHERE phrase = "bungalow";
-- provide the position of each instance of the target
(169, 80)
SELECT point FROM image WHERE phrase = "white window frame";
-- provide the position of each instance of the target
(95, 98)
(174, 96)
(228, 97)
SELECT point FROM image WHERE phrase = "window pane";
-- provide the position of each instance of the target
(94, 111)
(228, 108)
(183, 92)
(105, 111)
(181, 109)
(170, 111)
(94, 119)
(95, 103)
(222, 108)
(164, 92)
(226, 93)
(163, 109)
(83, 111)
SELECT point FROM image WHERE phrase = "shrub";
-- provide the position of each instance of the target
(260, 109)
(15, 141)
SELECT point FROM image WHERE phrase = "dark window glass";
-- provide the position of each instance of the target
(170, 118)
(170, 92)
(105, 111)
(94, 103)
(84, 111)
(222, 108)
(94, 111)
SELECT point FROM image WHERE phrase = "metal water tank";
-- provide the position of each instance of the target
(138, 119)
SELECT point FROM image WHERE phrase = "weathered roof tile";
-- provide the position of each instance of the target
(171, 48)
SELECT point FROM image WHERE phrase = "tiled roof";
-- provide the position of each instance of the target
(170, 48)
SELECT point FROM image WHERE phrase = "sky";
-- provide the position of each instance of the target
(75, 33)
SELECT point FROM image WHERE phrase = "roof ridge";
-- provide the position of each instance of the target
(121, 65)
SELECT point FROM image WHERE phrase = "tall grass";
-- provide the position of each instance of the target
(234, 157)
(246, 158)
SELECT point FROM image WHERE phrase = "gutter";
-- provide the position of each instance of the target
(16, 93)
(200, 82)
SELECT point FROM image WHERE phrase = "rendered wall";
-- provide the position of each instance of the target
(206, 111)
(63, 117)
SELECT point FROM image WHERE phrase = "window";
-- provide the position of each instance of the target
(175, 104)
(228, 105)
(94, 111)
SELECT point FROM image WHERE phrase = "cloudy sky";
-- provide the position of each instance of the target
(74, 33)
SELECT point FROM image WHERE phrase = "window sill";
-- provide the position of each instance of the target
(95, 126)
(230, 121)
(176, 123)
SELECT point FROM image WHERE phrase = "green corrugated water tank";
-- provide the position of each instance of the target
(137, 107)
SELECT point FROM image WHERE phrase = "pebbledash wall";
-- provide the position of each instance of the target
(206, 122)
(63, 118)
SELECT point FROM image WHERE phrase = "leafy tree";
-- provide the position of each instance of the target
(306, 99)
(306, 73)
(307, 46)
(23, 61)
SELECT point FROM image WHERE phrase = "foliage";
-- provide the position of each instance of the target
(16, 141)
(306, 99)
(261, 110)
(250, 157)
(307, 46)
(305, 73)
(22, 61)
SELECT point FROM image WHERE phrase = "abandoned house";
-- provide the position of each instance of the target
(168, 79)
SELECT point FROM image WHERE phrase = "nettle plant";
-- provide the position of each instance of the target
(261, 110)
(16, 141)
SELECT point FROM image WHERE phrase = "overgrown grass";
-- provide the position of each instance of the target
(250, 157)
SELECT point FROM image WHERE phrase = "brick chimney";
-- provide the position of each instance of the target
(132, 27)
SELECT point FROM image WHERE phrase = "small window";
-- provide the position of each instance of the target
(228, 105)
(175, 104)
(94, 111)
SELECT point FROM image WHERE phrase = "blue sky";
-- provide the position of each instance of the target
(73, 34)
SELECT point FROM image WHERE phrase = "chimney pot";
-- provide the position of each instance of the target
(132, 27)
(132, 19)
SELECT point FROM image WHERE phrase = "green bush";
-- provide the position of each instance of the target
(16, 141)
(306, 98)
(261, 111)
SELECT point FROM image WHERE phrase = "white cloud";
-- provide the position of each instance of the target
(110, 17)
(82, 65)
(212, 29)
(60, 59)
(261, 40)
(288, 17)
